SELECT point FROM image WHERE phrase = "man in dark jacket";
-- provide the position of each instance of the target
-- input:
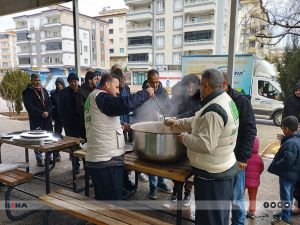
(292, 104)
(150, 112)
(54, 97)
(38, 105)
(244, 144)
(68, 110)
(286, 165)
(90, 82)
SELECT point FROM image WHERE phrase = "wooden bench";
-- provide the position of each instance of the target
(97, 212)
(12, 179)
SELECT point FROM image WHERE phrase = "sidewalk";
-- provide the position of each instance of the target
(268, 192)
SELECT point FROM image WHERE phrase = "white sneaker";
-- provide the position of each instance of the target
(143, 177)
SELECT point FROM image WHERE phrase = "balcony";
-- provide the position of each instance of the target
(140, 14)
(52, 21)
(137, 2)
(21, 26)
(199, 24)
(199, 5)
(133, 31)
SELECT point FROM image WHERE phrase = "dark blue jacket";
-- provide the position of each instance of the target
(286, 162)
(118, 105)
(125, 91)
(247, 127)
(149, 111)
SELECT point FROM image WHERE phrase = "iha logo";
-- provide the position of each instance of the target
(15, 205)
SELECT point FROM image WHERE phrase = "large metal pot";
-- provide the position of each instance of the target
(154, 141)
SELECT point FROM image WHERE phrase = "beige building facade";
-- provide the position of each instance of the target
(8, 56)
(161, 32)
(45, 42)
(117, 30)
(248, 27)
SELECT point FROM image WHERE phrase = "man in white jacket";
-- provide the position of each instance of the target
(210, 144)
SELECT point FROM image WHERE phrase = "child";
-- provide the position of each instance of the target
(255, 167)
(286, 165)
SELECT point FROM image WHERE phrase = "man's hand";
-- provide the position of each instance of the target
(126, 127)
(45, 114)
(179, 138)
(242, 165)
(150, 91)
(280, 137)
(170, 123)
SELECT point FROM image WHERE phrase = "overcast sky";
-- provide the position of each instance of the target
(87, 7)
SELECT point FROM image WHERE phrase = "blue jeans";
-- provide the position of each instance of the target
(238, 205)
(38, 155)
(286, 197)
(155, 181)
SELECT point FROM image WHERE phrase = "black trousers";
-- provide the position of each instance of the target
(213, 200)
(58, 126)
(108, 182)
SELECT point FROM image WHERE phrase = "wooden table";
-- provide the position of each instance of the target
(66, 143)
(178, 172)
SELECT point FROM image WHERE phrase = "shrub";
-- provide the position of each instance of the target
(11, 88)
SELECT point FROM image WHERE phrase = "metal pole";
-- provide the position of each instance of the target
(76, 38)
(231, 47)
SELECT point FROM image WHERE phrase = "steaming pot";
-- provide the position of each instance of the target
(153, 141)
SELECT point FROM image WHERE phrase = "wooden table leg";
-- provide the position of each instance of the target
(179, 203)
(0, 153)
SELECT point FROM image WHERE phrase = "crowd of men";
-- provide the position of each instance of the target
(217, 123)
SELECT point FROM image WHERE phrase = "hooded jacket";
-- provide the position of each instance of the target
(247, 128)
(255, 167)
(292, 106)
(54, 97)
(286, 162)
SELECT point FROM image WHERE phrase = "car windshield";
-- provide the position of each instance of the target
(51, 84)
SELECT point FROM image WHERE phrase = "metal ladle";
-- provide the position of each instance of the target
(159, 106)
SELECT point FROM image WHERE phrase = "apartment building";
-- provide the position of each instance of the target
(160, 32)
(8, 56)
(117, 28)
(248, 43)
(45, 42)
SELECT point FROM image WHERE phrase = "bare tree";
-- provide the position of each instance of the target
(281, 18)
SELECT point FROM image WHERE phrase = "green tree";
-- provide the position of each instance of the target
(11, 88)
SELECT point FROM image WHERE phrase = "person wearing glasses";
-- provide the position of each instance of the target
(39, 107)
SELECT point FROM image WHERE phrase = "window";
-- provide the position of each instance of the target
(85, 48)
(160, 42)
(53, 46)
(196, 36)
(24, 61)
(266, 89)
(144, 40)
(178, 5)
(160, 6)
(160, 24)
(86, 61)
(121, 30)
(177, 22)
(111, 41)
(177, 41)
(252, 44)
(143, 57)
(94, 62)
(122, 51)
(93, 36)
(177, 58)
(110, 20)
(111, 50)
(159, 59)
(111, 31)
(139, 77)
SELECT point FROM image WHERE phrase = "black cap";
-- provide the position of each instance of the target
(72, 76)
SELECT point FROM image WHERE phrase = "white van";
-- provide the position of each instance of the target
(266, 92)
